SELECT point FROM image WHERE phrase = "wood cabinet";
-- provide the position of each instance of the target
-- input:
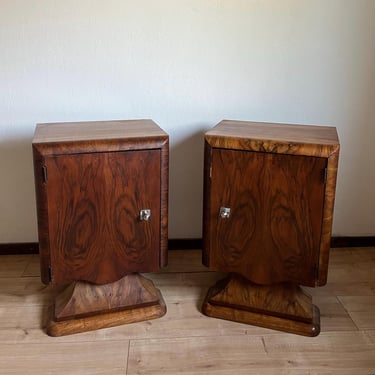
(268, 205)
(102, 205)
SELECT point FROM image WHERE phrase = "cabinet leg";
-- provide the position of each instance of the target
(85, 307)
(284, 307)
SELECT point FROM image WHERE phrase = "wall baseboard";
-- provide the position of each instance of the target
(364, 241)
(19, 248)
(186, 244)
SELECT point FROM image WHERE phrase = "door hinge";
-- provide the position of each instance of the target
(210, 159)
(325, 175)
(44, 174)
(316, 273)
(50, 273)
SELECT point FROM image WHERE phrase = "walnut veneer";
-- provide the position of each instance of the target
(93, 181)
(268, 204)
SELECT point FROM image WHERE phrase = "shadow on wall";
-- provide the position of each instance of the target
(17, 194)
(186, 185)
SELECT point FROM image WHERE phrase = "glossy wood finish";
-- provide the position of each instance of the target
(92, 181)
(276, 204)
(281, 142)
(320, 141)
(98, 136)
(99, 176)
(95, 200)
(279, 183)
(284, 307)
(85, 307)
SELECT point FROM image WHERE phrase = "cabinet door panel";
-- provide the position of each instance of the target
(273, 232)
(94, 202)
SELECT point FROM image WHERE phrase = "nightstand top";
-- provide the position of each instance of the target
(276, 138)
(96, 130)
(98, 136)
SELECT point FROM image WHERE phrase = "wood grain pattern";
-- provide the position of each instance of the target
(107, 320)
(82, 299)
(98, 136)
(282, 300)
(277, 182)
(319, 141)
(329, 201)
(100, 175)
(276, 201)
(284, 307)
(104, 141)
(84, 307)
(94, 202)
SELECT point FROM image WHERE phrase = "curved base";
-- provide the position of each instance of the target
(284, 307)
(83, 307)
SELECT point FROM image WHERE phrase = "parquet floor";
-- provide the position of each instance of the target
(184, 341)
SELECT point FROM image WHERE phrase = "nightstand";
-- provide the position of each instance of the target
(102, 196)
(268, 203)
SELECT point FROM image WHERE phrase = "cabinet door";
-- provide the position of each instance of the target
(272, 233)
(96, 233)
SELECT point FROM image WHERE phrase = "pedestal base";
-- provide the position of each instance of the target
(85, 307)
(284, 307)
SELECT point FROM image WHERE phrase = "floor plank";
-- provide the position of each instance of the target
(361, 309)
(33, 266)
(358, 271)
(65, 358)
(340, 351)
(272, 354)
(201, 355)
(13, 265)
(333, 316)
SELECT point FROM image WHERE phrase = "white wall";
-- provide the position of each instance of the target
(187, 64)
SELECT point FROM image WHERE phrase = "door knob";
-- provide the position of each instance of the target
(144, 215)
(224, 212)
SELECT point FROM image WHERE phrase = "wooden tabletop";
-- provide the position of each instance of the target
(96, 130)
(278, 138)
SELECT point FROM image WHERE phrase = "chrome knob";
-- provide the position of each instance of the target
(224, 212)
(144, 215)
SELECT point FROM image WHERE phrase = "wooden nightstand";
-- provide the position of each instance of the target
(102, 195)
(268, 203)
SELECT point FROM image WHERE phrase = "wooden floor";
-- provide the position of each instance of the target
(184, 341)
